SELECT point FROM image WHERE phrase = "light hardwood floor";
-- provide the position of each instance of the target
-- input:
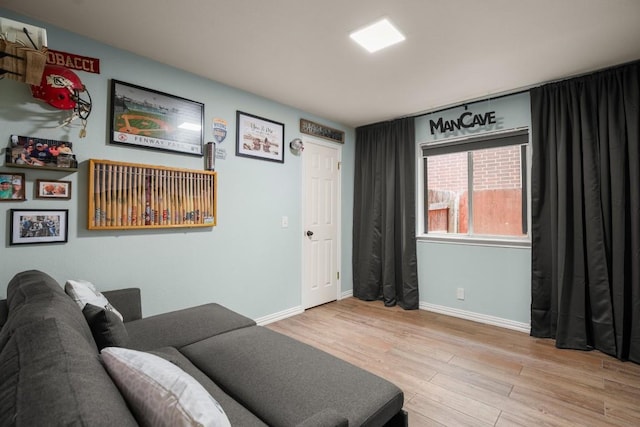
(456, 372)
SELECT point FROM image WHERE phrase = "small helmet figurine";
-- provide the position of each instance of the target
(61, 88)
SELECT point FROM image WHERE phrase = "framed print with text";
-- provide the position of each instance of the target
(259, 138)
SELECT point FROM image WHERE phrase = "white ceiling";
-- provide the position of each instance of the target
(298, 52)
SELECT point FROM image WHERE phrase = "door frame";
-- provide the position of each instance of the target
(303, 294)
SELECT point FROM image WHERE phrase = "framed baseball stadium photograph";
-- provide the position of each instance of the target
(31, 226)
(147, 118)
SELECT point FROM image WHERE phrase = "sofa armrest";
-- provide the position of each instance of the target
(4, 312)
(127, 302)
(325, 418)
(183, 327)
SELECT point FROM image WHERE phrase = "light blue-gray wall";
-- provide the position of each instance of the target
(247, 262)
(496, 278)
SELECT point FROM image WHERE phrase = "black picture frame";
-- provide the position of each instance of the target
(37, 226)
(147, 118)
(259, 138)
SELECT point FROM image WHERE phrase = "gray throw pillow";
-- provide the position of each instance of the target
(107, 328)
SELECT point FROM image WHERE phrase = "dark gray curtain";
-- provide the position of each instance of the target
(586, 212)
(384, 244)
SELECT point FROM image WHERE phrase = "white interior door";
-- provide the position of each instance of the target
(321, 247)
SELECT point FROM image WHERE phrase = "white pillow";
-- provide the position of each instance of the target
(159, 393)
(84, 292)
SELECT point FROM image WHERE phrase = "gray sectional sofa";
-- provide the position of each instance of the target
(51, 371)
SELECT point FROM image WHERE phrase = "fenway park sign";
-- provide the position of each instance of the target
(466, 120)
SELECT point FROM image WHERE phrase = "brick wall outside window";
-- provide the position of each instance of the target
(497, 187)
(492, 169)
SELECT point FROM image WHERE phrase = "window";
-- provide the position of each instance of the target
(477, 187)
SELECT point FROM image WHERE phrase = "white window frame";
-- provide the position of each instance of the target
(471, 239)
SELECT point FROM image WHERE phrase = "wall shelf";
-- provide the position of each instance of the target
(136, 196)
(44, 168)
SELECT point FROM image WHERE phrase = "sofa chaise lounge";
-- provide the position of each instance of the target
(52, 372)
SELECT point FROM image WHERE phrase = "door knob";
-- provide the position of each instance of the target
(309, 233)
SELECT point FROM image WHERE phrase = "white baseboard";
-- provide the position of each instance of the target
(454, 312)
(279, 316)
(346, 294)
(292, 311)
(477, 317)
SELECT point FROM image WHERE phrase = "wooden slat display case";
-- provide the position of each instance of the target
(136, 196)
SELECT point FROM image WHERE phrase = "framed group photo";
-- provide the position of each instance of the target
(11, 187)
(259, 138)
(147, 118)
(29, 151)
(53, 189)
(32, 226)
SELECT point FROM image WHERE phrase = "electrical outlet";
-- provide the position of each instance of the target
(460, 293)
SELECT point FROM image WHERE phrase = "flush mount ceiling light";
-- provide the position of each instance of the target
(377, 36)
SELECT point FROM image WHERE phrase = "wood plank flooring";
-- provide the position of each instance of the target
(456, 372)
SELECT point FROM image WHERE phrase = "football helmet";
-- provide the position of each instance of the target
(61, 88)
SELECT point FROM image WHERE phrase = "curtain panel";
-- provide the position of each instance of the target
(384, 243)
(585, 194)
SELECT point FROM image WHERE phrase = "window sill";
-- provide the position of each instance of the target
(493, 241)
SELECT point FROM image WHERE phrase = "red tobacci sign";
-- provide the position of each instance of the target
(73, 62)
